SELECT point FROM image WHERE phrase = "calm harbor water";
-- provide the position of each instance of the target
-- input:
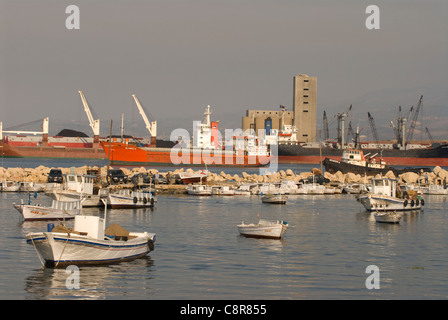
(199, 253)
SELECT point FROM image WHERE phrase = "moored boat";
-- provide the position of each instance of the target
(126, 198)
(89, 243)
(274, 198)
(199, 190)
(59, 210)
(383, 196)
(9, 186)
(264, 229)
(388, 217)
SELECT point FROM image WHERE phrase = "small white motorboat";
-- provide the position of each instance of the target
(126, 198)
(89, 243)
(199, 190)
(9, 186)
(263, 229)
(388, 217)
(274, 198)
(223, 191)
(59, 210)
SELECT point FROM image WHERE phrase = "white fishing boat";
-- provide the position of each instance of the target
(79, 187)
(199, 190)
(436, 189)
(9, 186)
(223, 191)
(263, 229)
(89, 243)
(274, 198)
(59, 210)
(126, 198)
(388, 217)
(382, 196)
(311, 188)
(29, 186)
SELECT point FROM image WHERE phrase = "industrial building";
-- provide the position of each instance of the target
(302, 117)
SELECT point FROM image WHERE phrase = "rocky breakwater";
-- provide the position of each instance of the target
(40, 175)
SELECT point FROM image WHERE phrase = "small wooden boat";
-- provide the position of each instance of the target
(59, 210)
(274, 198)
(88, 243)
(388, 217)
(263, 229)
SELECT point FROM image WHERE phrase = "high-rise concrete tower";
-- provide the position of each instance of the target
(304, 106)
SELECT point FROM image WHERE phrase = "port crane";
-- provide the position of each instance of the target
(151, 126)
(94, 123)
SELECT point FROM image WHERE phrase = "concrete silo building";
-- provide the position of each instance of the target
(302, 117)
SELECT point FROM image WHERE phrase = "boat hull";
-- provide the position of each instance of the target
(431, 156)
(263, 230)
(388, 217)
(62, 249)
(37, 213)
(52, 152)
(274, 199)
(116, 201)
(377, 202)
(130, 155)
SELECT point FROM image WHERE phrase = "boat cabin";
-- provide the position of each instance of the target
(384, 186)
(80, 183)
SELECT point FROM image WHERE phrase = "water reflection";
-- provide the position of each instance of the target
(95, 282)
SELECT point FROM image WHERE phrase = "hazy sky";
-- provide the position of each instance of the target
(179, 56)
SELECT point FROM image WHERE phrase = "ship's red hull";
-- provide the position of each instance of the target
(127, 154)
(8, 150)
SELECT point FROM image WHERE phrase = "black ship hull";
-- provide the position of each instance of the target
(431, 156)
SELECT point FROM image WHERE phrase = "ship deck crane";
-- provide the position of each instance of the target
(151, 126)
(373, 127)
(94, 123)
(326, 134)
(341, 126)
(414, 121)
(429, 135)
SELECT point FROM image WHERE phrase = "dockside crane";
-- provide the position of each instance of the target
(94, 123)
(374, 132)
(151, 126)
